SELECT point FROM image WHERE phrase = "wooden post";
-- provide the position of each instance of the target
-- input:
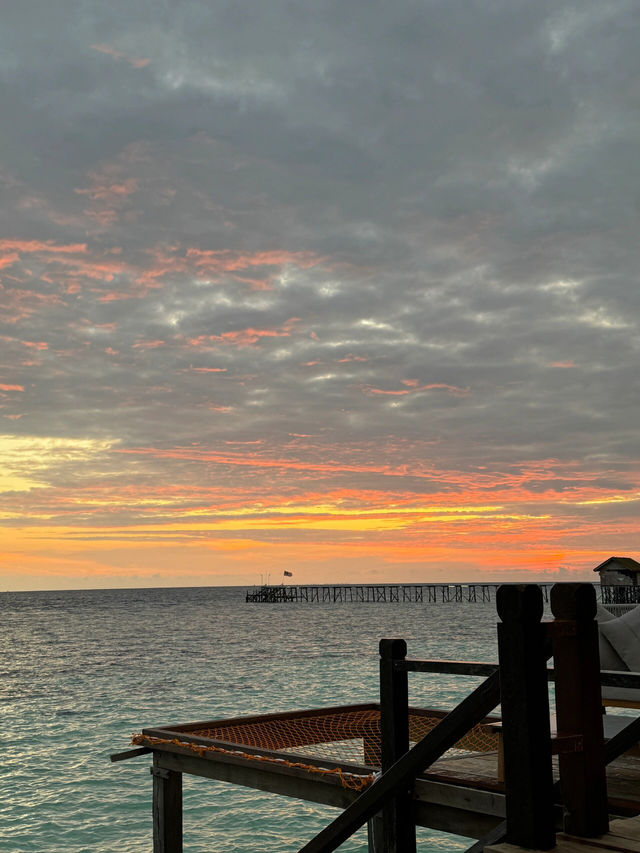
(576, 657)
(167, 809)
(398, 819)
(525, 717)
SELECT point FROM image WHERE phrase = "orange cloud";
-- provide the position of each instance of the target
(244, 337)
(106, 191)
(442, 536)
(115, 54)
(38, 345)
(205, 262)
(415, 388)
(47, 246)
(11, 387)
(207, 369)
(149, 344)
(9, 260)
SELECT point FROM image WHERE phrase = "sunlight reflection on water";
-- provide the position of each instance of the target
(83, 670)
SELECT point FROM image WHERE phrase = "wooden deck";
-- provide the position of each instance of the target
(460, 793)
(623, 837)
(479, 771)
(384, 783)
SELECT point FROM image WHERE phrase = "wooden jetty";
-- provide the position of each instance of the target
(623, 837)
(377, 593)
(510, 782)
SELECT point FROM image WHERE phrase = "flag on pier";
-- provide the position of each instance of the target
(287, 574)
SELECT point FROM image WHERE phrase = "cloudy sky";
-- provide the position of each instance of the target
(343, 288)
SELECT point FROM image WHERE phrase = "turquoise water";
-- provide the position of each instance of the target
(81, 671)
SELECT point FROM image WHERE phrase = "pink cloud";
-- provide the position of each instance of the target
(115, 54)
(230, 261)
(244, 337)
(18, 304)
(104, 190)
(48, 246)
(414, 389)
(9, 260)
(39, 345)
(206, 262)
(207, 369)
(115, 296)
(149, 344)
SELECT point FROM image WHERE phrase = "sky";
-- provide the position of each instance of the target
(347, 289)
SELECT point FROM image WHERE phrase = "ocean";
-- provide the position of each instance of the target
(80, 671)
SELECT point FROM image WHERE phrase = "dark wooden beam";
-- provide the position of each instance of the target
(620, 743)
(452, 667)
(398, 819)
(129, 753)
(437, 805)
(574, 633)
(167, 809)
(525, 717)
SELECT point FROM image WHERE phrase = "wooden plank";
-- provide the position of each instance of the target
(284, 762)
(496, 835)
(435, 793)
(439, 791)
(623, 837)
(129, 753)
(577, 844)
(451, 667)
(623, 739)
(167, 809)
(455, 821)
(626, 828)
(437, 805)
(288, 782)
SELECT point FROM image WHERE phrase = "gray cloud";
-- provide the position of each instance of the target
(349, 221)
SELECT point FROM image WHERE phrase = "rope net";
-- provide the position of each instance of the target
(347, 737)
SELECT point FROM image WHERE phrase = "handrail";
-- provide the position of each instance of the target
(621, 742)
(608, 677)
(523, 639)
(453, 667)
(472, 710)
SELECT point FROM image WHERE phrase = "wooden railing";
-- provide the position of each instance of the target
(520, 684)
(621, 594)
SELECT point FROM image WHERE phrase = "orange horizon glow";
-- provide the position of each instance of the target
(111, 530)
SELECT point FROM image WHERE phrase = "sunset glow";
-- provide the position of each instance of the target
(352, 295)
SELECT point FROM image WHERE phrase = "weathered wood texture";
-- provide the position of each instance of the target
(398, 819)
(622, 837)
(522, 650)
(574, 634)
(167, 809)
(438, 805)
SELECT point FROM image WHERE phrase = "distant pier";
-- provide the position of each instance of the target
(431, 593)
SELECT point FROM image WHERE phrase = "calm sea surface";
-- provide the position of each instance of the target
(81, 671)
